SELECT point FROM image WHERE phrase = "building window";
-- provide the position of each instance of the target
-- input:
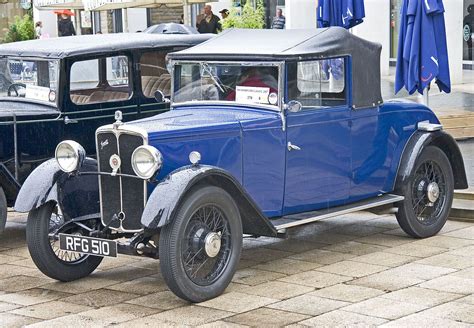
(395, 8)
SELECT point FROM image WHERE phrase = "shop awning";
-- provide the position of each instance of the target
(95, 5)
(58, 4)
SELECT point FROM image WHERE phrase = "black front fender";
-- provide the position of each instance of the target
(415, 146)
(168, 194)
(77, 195)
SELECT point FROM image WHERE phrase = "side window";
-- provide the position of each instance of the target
(154, 73)
(100, 80)
(318, 83)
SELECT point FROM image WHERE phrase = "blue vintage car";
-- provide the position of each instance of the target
(268, 130)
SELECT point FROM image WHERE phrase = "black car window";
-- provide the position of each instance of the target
(318, 83)
(100, 80)
(154, 73)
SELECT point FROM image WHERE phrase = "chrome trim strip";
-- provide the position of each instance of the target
(430, 127)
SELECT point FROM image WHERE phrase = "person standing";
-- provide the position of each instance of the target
(65, 26)
(279, 20)
(224, 13)
(38, 29)
(209, 23)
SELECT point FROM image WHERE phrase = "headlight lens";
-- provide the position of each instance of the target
(69, 155)
(146, 160)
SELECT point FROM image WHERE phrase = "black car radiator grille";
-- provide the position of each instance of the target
(121, 197)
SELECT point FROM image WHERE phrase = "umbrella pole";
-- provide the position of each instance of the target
(426, 97)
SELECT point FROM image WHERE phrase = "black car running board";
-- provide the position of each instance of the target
(294, 220)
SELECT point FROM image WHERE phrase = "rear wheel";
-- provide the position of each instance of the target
(41, 228)
(3, 210)
(428, 195)
(200, 249)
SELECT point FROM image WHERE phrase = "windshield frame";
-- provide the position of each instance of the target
(280, 65)
(54, 104)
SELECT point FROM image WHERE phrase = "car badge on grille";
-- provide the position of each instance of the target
(104, 143)
(115, 163)
(118, 119)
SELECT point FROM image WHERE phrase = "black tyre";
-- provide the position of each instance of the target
(200, 249)
(44, 249)
(428, 195)
(3, 210)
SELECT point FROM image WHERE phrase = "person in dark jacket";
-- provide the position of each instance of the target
(209, 23)
(65, 26)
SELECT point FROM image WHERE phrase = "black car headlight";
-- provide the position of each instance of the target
(70, 155)
(146, 160)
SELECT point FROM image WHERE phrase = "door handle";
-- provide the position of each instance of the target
(67, 120)
(292, 147)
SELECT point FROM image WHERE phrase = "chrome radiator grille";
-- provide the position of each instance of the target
(120, 197)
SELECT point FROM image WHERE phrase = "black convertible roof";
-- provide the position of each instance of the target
(56, 48)
(299, 44)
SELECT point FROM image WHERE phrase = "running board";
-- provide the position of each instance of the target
(308, 217)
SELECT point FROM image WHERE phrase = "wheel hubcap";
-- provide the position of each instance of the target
(212, 244)
(432, 192)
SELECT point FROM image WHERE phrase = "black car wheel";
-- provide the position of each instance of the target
(42, 225)
(3, 210)
(428, 195)
(200, 249)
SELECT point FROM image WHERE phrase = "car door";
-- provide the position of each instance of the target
(318, 160)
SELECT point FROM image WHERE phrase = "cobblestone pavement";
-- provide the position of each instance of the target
(356, 270)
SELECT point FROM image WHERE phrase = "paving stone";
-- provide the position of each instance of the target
(326, 237)
(411, 249)
(388, 222)
(100, 297)
(112, 315)
(254, 277)
(450, 284)
(386, 281)
(308, 304)
(124, 273)
(452, 225)
(192, 315)
(50, 310)
(466, 233)
(276, 290)
(14, 320)
(7, 307)
(423, 320)
(347, 293)
(288, 266)
(357, 229)
(7, 258)
(118, 262)
(341, 318)
(295, 246)
(222, 324)
(385, 240)
(447, 260)
(25, 263)
(143, 286)
(468, 299)
(77, 320)
(417, 295)
(17, 252)
(33, 296)
(463, 251)
(467, 273)
(265, 317)
(82, 285)
(355, 248)
(315, 279)
(263, 254)
(237, 302)
(322, 256)
(18, 283)
(420, 271)
(165, 300)
(352, 269)
(461, 312)
(384, 308)
(385, 259)
(444, 241)
(9, 270)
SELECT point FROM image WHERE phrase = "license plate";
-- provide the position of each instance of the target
(88, 245)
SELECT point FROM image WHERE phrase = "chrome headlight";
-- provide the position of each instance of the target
(146, 160)
(69, 155)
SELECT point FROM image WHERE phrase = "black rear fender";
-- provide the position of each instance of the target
(168, 194)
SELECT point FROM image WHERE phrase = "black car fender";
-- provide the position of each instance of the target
(77, 195)
(415, 146)
(168, 194)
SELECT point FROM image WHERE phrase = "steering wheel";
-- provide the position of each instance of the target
(16, 88)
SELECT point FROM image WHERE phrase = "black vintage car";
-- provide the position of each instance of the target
(56, 89)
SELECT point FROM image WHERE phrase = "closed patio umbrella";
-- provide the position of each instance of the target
(422, 50)
(344, 13)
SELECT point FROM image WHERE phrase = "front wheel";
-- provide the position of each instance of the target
(428, 195)
(200, 249)
(42, 225)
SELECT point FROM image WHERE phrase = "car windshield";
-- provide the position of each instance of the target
(245, 83)
(29, 78)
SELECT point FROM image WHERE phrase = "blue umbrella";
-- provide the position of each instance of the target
(345, 13)
(422, 51)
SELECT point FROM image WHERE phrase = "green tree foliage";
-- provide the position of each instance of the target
(22, 29)
(249, 18)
